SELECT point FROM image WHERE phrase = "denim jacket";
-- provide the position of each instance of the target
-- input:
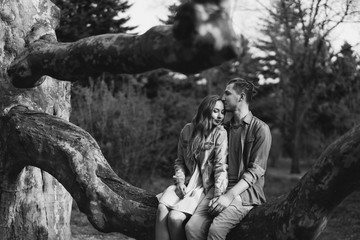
(256, 143)
(212, 159)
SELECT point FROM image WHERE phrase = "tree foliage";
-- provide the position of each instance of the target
(124, 124)
(336, 106)
(298, 53)
(173, 8)
(83, 18)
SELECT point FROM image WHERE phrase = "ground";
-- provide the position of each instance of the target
(344, 223)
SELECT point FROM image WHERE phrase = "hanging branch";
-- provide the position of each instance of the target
(201, 37)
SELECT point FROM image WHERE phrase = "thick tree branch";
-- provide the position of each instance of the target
(304, 212)
(73, 157)
(202, 37)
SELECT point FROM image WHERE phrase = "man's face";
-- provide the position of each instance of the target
(231, 98)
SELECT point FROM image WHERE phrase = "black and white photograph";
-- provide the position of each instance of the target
(180, 120)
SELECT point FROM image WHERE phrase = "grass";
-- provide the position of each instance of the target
(344, 223)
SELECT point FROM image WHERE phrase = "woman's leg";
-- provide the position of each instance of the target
(161, 227)
(176, 225)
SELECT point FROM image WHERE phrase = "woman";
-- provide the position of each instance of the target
(199, 167)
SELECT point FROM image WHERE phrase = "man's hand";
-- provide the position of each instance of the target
(180, 190)
(217, 205)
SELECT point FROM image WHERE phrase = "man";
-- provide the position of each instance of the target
(249, 146)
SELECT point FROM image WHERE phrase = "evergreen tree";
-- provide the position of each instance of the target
(298, 53)
(83, 18)
(173, 10)
(336, 109)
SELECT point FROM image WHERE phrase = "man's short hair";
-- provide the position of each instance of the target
(242, 85)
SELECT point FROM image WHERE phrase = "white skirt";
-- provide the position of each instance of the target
(193, 195)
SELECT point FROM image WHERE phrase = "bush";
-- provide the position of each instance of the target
(122, 123)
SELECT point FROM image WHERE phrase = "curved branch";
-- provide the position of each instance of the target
(202, 37)
(304, 212)
(73, 157)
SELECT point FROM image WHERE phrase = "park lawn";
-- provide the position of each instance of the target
(344, 223)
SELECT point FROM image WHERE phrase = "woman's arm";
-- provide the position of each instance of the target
(179, 165)
(220, 165)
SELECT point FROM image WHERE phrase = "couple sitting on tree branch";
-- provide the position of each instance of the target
(219, 170)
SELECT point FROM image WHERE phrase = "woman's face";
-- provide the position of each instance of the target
(218, 113)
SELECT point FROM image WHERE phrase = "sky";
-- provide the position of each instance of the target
(245, 15)
(146, 13)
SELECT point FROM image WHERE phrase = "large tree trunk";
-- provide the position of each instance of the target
(33, 205)
(34, 128)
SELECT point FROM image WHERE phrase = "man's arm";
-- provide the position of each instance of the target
(259, 155)
(217, 205)
(256, 169)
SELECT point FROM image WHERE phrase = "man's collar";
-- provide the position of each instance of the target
(246, 119)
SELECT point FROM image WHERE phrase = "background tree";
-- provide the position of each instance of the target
(298, 53)
(173, 8)
(335, 109)
(83, 18)
(124, 123)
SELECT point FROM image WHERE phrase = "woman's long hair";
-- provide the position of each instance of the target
(202, 126)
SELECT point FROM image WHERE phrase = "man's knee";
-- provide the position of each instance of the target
(219, 228)
(191, 226)
(196, 228)
(216, 232)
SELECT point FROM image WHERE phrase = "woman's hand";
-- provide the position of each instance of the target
(180, 190)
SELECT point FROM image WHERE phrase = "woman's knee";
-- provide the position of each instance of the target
(176, 218)
(162, 209)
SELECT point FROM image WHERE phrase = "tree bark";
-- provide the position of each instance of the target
(202, 37)
(33, 205)
(73, 157)
(305, 210)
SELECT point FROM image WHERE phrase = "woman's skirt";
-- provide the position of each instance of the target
(193, 195)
